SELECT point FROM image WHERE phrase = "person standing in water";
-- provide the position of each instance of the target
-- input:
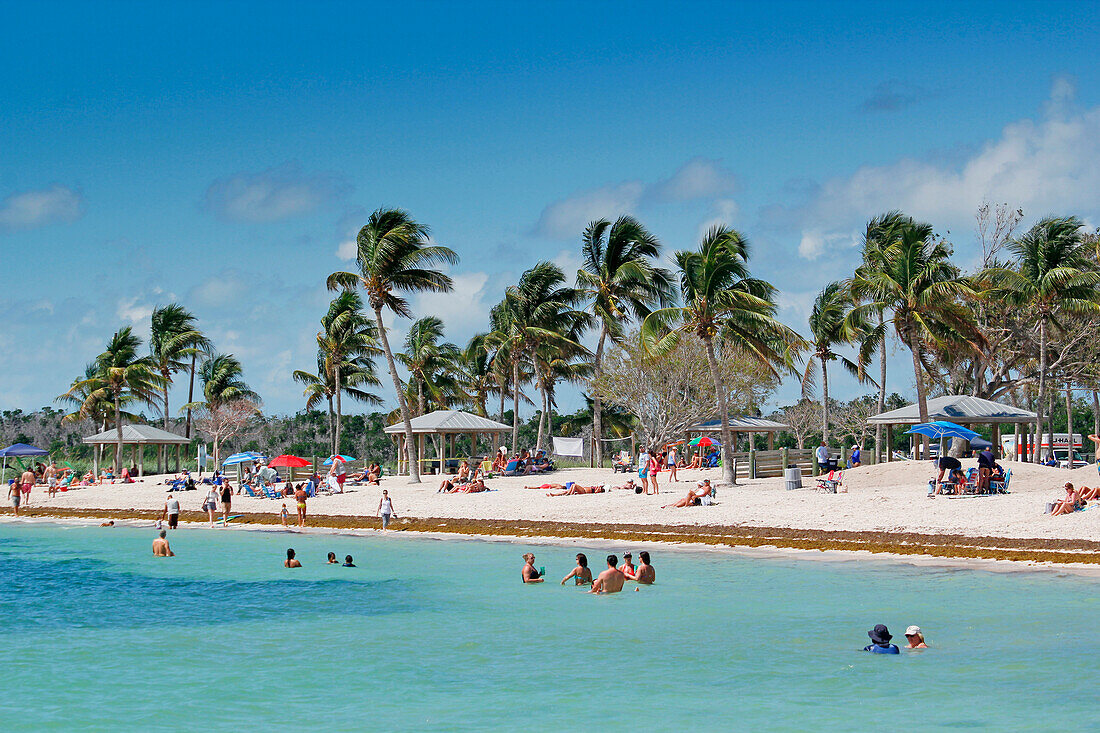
(610, 580)
(530, 574)
(161, 547)
(581, 574)
(915, 637)
(645, 574)
(291, 561)
(385, 509)
(627, 568)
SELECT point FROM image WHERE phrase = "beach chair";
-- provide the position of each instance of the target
(971, 485)
(248, 490)
(270, 493)
(1000, 486)
(510, 469)
(830, 483)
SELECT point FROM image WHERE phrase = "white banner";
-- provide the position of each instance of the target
(569, 447)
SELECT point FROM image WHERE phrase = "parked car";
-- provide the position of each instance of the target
(1064, 461)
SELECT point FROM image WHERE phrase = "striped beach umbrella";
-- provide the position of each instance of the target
(338, 458)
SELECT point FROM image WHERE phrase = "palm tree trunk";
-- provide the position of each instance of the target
(339, 410)
(190, 395)
(414, 469)
(728, 475)
(1050, 421)
(597, 402)
(118, 427)
(503, 395)
(918, 375)
(162, 456)
(542, 412)
(824, 401)
(1095, 413)
(422, 407)
(331, 427)
(1042, 401)
(1069, 419)
(515, 403)
(881, 392)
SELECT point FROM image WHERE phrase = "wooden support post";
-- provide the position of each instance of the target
(889, 443)
(771, 440)
(996, 431)
(786, 461)
(752, 458)
(141, 463)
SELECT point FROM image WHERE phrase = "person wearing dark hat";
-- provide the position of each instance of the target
(880, 638)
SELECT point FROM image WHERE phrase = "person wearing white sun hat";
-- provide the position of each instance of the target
(915, 638)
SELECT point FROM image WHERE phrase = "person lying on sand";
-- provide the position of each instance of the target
(694, 496)
(1089, 494)
(571, 489)
(610, 580)
(1070, 504)
(473, 487)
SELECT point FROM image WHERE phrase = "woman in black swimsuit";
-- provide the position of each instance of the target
(227, 501)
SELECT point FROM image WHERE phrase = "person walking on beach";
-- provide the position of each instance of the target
(161, 548)
(172, 511)
(300, 496)
(385, 509)
(211, 504)
(645, 574)
(291, 561)
(283, 514)
(15, 493)
(227, 502)
(610, 580)
(654, 469)
(28, 483)
(672, 457)
(50, 474)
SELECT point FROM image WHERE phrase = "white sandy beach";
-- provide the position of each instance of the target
(889, 497)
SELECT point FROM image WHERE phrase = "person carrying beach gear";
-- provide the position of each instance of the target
(880, 641)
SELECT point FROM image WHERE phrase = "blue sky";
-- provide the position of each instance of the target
(223, 154)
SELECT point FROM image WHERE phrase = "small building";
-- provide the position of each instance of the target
(963, 410)
(743, 424)
(134, 436)
(442, 426)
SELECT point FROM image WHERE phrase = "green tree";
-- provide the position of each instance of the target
(355, 375)
(394, 255)
(349, 341)
(912, 279)
(621, 282)
(479, 376)
(721, 302)
(832, 323)
(90, 399)
(222, 378)
(433, 364)
(173, 342)
(1054, 275)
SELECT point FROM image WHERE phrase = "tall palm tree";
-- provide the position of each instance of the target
(121, 376)
(913, 280)
(174, 340)
(394, 254)
(831, 324)
(539, 311)
(479, 379)
(348, 340)
(618, 277)
(557, 365)
(722, 304)
(433, 366)
(222, 378)
(1054, 275)
(355, 375)
(90, 400)
(880, 231)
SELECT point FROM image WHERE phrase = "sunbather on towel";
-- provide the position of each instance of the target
(572, 489)
(1070, 504)
(694, 496)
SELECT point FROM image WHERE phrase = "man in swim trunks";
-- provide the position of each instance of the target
(610, 580)
(530, 574)
(50, 474)
(172, 511)
(627, 568)
(161, 547)
(28, 483)
(291, 561)
(645, 574)
(15, 493)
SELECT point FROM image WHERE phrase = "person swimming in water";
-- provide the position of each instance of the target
(610, 580)
(880, 641)
(645, 574)
(332, 558)
(627, 568)
(915, 637)
(347, 562)
(291, 561)
(582, 574)
(530, 574)
(161, 548)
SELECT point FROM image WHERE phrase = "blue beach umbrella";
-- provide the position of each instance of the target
(337, 457)
(239, 458)
(942, 429)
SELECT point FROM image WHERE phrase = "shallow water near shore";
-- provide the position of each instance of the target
(441, 634)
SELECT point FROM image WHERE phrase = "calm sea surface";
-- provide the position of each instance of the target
(97, 634)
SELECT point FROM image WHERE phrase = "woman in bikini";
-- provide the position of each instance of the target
(572, 489)
(582, 574)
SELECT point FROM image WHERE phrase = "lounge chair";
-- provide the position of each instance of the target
(622, 462)
(1000, 486)
(510, 469)
(251, 492)
(270, 493)
(830, 483)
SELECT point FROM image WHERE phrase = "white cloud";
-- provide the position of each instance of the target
(273, 194)
(30, 209)
(464, 310)
(347, 249)
(1050, 165)
(726, 212)
(699, 179)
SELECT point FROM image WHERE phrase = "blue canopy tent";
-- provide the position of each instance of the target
(942, 429)
(18, 450)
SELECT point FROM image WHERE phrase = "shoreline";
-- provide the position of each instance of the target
(1083, 555)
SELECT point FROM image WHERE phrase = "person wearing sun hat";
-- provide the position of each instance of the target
(880, 638)
(915, 638)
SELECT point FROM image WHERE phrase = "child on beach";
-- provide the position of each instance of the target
(283, 514)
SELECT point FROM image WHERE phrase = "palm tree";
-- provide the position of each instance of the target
(349, 341)
(222, 378)
(354, 375)
(90, 400)
(394, 254)
(619, 278)
(432, 365)
(723, 305)
(557, 365)
(1054, 275)
(537, 312)
(479, 378)
(913, 279)
(174, 339)
(121, 376)
(831, 324)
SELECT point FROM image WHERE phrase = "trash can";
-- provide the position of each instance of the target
(793, 478)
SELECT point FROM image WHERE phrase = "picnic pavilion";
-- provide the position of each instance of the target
(442, 427)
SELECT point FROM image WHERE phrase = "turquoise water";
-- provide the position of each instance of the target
(442, 635)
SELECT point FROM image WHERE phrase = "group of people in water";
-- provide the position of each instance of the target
(610, 580)
(881, 636)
